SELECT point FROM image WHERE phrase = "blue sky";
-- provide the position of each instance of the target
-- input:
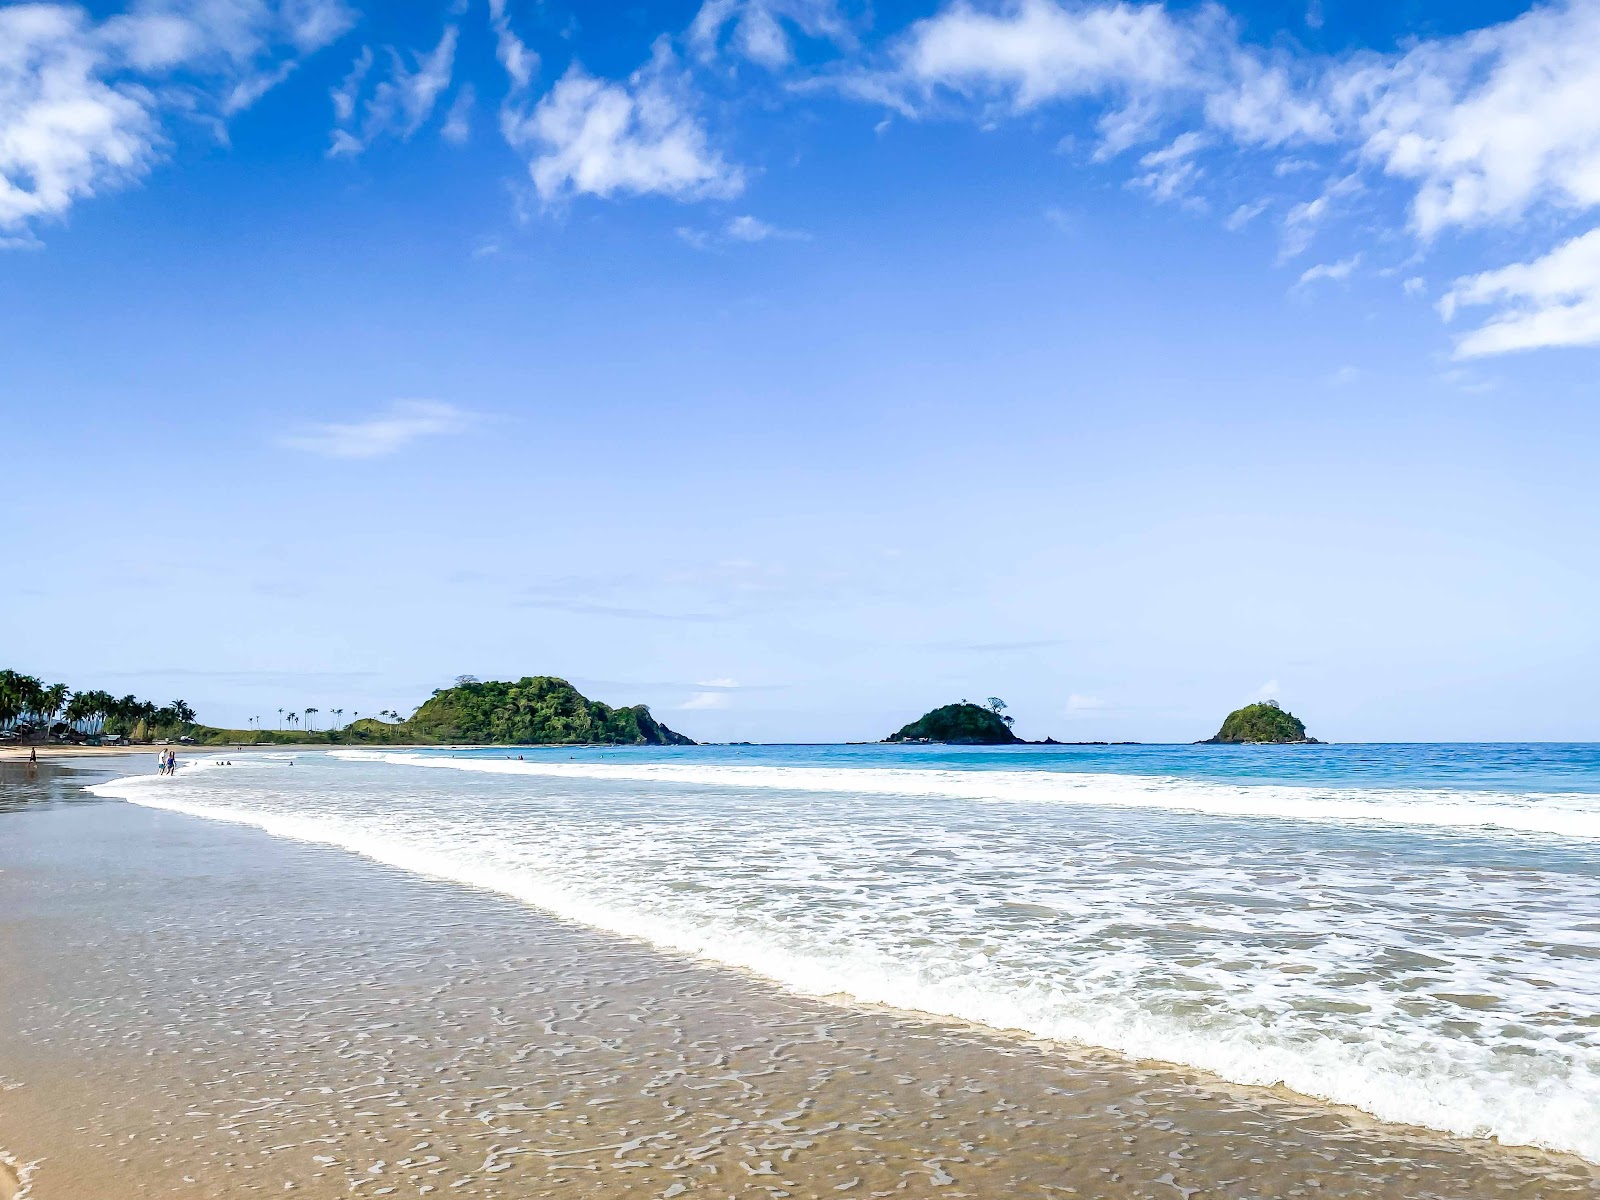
(794, 366)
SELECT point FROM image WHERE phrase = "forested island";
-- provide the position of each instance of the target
(536, 710)
(1261, 724)
(963, 724)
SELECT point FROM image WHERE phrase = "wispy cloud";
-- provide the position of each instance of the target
(741, 229)
(1338, 272)
(704, 700)
(457, 127)
(405, 422)
(760, 30)
(399, 103)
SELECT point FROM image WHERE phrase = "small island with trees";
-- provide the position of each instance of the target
(534, 711)
(1261, 724)
(963, 724)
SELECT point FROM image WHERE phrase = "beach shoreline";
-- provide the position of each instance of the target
(623, 1013)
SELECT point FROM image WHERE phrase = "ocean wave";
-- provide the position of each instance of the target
(1560, 814)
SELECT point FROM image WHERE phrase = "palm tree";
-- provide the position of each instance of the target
(55, 699)
(311, 714)
(280, 718)
(27, 695)
(338, 718)
(10, 698)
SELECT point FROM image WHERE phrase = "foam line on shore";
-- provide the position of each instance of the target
(1570, 815)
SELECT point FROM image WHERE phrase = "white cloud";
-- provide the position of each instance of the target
(400, 103)
(1267, 690)
(81, 102)
(1550, 301)
(65, 132)
(1414, 286)
(1259, 104)
(755, 29)
(1336, 271)
(751, 229)
(600, 138)
(1490, 122)
(405, 422)
(1038, 50)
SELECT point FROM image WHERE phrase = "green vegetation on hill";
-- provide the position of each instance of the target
(960, 724)
(536, 710)
(1260, 723)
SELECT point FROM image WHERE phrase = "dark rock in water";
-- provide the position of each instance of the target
(959, 725)
(1261, 724)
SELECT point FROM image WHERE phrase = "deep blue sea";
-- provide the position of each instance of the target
(1413, 930)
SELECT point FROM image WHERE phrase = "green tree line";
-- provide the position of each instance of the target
(31, 708)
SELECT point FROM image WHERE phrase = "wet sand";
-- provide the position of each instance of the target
(198, 1010)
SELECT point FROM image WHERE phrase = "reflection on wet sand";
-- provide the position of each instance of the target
(199, 1010)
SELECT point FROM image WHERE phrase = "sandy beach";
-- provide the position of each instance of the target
(197, 1009)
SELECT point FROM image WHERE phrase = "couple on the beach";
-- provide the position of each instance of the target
(168, 762)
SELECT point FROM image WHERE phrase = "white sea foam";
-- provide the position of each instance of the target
(1574, 815)
(1421, 988)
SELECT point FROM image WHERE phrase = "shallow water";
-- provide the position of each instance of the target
(1423, 944)
(195, 1009)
